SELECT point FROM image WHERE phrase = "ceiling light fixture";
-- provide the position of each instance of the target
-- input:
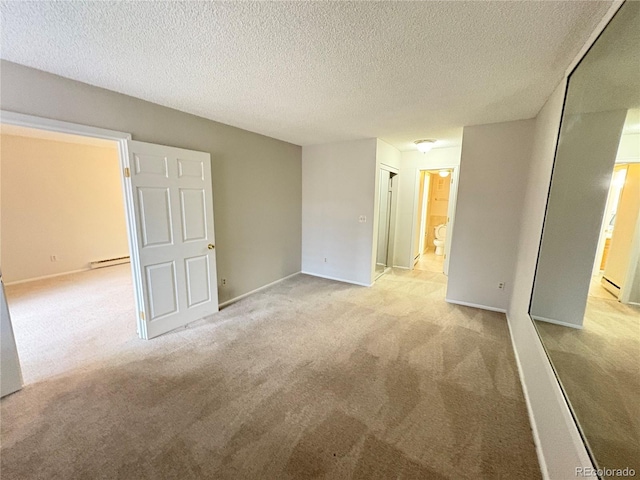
(443, 173)
(424, 145)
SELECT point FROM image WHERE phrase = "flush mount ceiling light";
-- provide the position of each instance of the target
(443, 173)
(425, 145)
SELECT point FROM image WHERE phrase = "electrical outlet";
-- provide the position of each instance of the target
(54, 258)
(362, 219)
(501, 286)
(223, 281)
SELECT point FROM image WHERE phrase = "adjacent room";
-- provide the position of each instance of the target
(64, 250)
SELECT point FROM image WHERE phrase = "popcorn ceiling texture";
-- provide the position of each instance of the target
(314, 72)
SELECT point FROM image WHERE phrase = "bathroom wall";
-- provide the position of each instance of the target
(61, 199)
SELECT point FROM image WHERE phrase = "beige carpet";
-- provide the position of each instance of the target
(599, 367)
(308, 379)
(61, 323)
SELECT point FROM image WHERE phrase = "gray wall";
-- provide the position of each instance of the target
(256, 179)
(338, 186)
(586, 151)
(493, 169)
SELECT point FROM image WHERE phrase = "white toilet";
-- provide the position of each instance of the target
(441, 235)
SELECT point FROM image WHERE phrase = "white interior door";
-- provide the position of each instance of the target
(172, 245)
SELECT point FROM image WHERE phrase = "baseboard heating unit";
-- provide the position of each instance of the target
(109, 262)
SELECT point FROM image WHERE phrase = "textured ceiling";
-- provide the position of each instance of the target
(608, 77)
(314, 72)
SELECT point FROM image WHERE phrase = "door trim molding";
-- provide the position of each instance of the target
(121, 138)
(41, 123)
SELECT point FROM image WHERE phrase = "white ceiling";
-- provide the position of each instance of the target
(314, 72)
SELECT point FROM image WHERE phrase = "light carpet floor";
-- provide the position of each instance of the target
(61, 323)
(307, 379)
(599, 368)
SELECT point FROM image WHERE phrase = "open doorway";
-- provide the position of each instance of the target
(434, 194)
(64, 249)
(168, 202)
(617, 246)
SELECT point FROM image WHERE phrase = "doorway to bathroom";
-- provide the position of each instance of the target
(434, 193)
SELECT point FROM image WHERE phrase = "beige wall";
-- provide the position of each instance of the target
(257, 191)
(59, 199)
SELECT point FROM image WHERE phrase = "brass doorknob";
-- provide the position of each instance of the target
(211, 246)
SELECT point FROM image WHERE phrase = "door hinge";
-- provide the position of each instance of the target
(127, 172)
(141, 315)
(445, 256)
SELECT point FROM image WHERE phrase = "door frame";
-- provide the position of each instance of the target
(121, 138)
(451, 211)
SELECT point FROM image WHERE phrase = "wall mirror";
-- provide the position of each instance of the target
(586, 297)
(386, 220)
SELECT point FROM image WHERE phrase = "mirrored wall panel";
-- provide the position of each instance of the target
(586, 298)
(385, 220)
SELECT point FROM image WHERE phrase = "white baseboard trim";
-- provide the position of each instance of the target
(402, 268)
(43, 277)
(244, 295)
(475, 305)
(559, 445)
(337, 279)
(557, 322)
(534, 427)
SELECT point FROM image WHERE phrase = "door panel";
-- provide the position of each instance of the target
(173, 210)
(194, 218)
(155, 216)
(198, 280)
